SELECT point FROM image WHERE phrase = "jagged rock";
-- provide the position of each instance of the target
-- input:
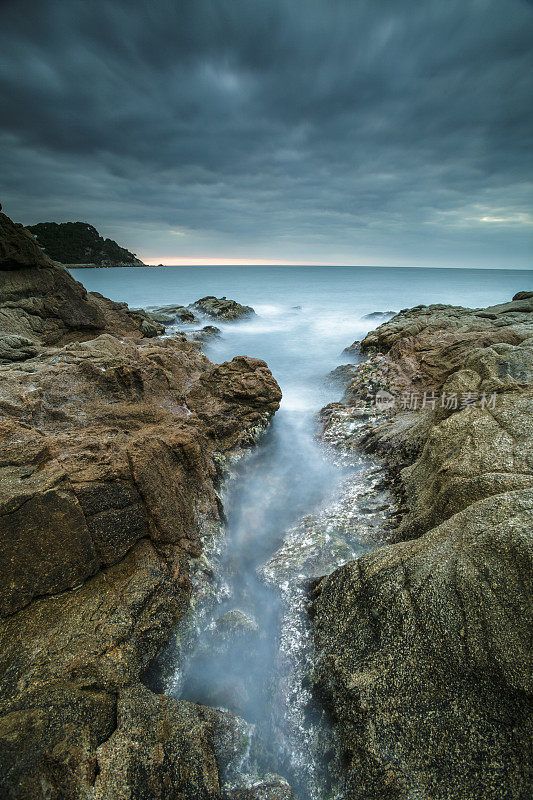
(162, 405)
(160, 748)
(206, 334)
(148, 326)
(111, 455)
(428, 343)
(342, 374)
(221, 308)
(352, 349)
(423, 643)
(41, 301)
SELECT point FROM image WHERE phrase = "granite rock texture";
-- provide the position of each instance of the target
(112, 446)
(423, 645)
(43, 304)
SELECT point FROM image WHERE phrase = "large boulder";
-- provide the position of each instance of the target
(91, 433)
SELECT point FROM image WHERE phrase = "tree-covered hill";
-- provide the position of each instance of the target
(80, 243)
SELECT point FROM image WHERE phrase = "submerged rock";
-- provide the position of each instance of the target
(422, 645)
(380, 315)
(342, 374)
(352, 349)
(235, 623)
(222, 308)
(206, 334)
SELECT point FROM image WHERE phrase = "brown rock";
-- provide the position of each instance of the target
(111, 452)
(41, 302)
(423, 651)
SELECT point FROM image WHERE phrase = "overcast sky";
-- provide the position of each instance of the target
(329, 131)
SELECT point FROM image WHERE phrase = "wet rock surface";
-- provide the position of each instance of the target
(266, 790)
(111, 456)
(171, 315)
(221, 308)
(163, 747)
(380, 315)
(422, 646)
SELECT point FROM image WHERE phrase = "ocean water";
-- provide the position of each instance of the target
(305, 317)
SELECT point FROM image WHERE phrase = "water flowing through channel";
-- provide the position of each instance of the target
(293, 511)
(249, 652)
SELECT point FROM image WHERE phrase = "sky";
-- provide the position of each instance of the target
(393, 132)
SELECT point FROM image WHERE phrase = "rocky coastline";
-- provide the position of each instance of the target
(114, 446)
(423, 655)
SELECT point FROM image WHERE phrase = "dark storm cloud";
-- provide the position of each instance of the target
(313, 129)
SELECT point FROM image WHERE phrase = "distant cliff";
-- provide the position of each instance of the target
(80, 243)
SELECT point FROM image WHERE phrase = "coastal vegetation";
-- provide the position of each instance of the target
(80, 243)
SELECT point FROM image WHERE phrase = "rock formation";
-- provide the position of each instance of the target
(43, 304)
(221, 308)
(171, 314)
(112, 447)
(423, 645)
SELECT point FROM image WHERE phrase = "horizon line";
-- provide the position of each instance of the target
(240, 262)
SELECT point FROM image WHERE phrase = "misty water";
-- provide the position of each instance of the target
(291, 509)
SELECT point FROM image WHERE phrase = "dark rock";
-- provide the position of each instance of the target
(352, 349)
(342, 374)
(161, 748)
(110, 459)
(171, 314)
(204, 335)
(221, 308)
(523, 296)
(235, 623)
(380, 315)
(148, 327)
